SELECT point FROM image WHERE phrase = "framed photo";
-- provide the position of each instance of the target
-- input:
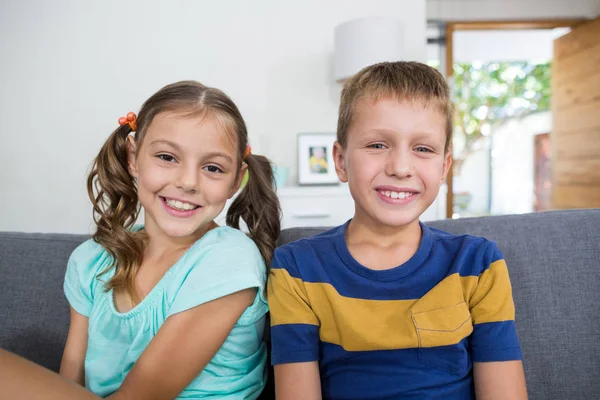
(315, 159)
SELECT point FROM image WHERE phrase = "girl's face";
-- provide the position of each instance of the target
(187, 167)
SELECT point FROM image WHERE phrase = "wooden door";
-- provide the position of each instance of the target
(542, 172)
(575, 134)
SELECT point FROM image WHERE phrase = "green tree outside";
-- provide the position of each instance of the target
(490, 93)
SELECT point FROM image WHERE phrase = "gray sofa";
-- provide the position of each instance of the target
(553, 260)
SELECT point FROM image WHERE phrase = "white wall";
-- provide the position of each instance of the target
(471, 10)
(474, 179)
(513, 151)
(469, 46)
(70, 69)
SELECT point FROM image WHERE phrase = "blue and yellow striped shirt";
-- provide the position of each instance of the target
(408, 332)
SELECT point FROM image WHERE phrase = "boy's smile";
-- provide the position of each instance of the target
(394, 161)
(396, 195)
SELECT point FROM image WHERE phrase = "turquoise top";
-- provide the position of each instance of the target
(222, 262)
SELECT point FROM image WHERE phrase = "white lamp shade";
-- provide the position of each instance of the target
(363, 42)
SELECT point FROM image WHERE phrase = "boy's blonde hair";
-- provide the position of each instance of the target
(402, 80)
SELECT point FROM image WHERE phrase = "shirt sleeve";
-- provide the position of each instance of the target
(219, 271)
(80, 276)
(294, 325)
(494, 335)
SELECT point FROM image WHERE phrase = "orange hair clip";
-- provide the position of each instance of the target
(130, 119)
(247, 152)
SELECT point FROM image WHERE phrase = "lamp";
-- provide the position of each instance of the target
(364, 42)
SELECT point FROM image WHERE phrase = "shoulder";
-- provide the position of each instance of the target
(305, 252)
(86, 262)
(227, 249)
(321, 241)
(222, 262)
(88, 257)
(225, 239)
(473, 253)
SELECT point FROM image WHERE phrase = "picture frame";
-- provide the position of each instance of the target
(315, 159)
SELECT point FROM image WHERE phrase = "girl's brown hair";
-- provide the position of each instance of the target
(113, 193)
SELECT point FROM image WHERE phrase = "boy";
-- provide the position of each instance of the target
(384, 307)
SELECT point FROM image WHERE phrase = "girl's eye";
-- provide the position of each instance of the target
(166, 157)
(213, 169)
(377, 146)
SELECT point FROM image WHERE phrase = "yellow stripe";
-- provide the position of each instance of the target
(492, 300)
(359, 324)
(441, 317)
(288, 301)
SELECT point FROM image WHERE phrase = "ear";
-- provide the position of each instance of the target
(447, 165)
(239, 180)
(339, 158)
(131, 156)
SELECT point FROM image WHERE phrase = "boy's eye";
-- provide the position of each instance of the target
(377, 146)
(422, 149)
(166, 157)
(213, 169)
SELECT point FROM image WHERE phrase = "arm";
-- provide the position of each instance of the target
(496, 352)
(21, 379)
(294, 333)
(499, 381)
(72, 363)
(298, 381)
(183, 346)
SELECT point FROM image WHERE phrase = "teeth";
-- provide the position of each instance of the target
(397, 195)
(180, 205)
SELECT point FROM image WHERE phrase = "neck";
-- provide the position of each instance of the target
(365, 230)
(158, 244)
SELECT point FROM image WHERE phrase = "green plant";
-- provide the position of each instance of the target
(488, 93)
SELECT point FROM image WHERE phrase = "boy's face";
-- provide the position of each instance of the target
(394, 160)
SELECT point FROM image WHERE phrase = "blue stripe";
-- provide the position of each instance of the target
(317, 260)
(495, 341)
(294, 343)
(396, 374)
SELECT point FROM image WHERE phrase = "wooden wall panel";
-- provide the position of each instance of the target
(576, 118)
(574, 92)
(576, 196)
(583, 36)
(581, 117)
(577, 145)
(577, 66)
(584, 171)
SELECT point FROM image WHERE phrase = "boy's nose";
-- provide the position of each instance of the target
(400, 165)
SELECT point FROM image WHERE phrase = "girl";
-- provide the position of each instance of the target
(175, 308)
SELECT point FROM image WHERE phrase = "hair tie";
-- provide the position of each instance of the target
(247, 152)
(130, 119)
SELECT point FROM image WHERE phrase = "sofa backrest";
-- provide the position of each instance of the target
(553, 260)
(34, 313)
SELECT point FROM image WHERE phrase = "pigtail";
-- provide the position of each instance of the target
(113, 194)
(258, 206)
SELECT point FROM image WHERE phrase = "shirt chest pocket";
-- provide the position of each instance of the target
(440, 332)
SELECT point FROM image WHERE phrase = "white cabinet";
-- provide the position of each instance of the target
(315, 205)
(327, 206)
